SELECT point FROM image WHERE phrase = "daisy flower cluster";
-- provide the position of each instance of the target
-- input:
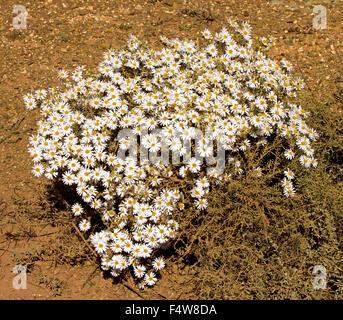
(219, 84)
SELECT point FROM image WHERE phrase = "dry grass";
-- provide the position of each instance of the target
(252, 243)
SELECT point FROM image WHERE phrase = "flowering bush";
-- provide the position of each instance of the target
(110, 136)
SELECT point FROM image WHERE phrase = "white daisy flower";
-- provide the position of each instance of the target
(150, 279)
(158, 264)
(84, 225)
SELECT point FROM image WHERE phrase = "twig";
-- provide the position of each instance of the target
(178, 297)
(44, 234)
(90, 276)
(160, 294)
(85, 241)
(133, 290)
